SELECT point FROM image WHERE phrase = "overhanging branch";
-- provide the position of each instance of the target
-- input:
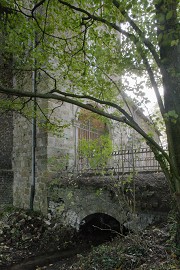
(99, 19)
(64, 97)
(132, 37)
(140, 33)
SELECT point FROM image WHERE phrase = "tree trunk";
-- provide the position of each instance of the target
(168, 30)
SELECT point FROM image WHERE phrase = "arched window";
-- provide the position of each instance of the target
(89, 128)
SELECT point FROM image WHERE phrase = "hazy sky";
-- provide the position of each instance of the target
(138, 89)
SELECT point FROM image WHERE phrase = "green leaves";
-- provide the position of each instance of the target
(174, 42)
(169, 15)
(82, 58)
(172, 116)
(97, 151)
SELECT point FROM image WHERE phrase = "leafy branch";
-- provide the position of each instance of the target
(67, 97)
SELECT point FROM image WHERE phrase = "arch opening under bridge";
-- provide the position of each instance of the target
(101, 227)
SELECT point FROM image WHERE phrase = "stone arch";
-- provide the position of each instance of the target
(86, 200)
(101, 205)
(108, 222)
(100, 226)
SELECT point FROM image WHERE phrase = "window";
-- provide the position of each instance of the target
(88, 128)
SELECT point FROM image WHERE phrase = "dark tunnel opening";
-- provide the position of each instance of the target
(99, 227)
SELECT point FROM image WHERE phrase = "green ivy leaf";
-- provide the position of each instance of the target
(174, 42)
(172, 116)
(169, 15)
(160, 37)
(161, 27)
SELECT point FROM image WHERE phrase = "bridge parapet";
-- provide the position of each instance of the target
(135, 201)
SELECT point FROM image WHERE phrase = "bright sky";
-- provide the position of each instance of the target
(148, 92)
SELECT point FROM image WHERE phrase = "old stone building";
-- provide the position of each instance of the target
(31, 154)
(55, 153)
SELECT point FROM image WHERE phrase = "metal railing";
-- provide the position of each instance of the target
(124, 161)
(141, 160)
(121, 161)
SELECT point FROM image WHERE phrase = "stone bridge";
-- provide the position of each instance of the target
(131, 202)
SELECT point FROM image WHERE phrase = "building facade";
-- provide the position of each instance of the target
(58, 154)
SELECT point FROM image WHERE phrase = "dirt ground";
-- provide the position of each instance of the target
(30, 241)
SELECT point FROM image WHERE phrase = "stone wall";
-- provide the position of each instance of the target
(22, 164)
(127, 138)
(6, 188)
(73, 204)
(74, 199)
(6, 140)
(61, 147)
(6, 146)
(55, 153)
(6, 130)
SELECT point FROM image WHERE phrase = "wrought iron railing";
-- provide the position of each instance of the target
(125, 161)
(141, 160)
(121, 161)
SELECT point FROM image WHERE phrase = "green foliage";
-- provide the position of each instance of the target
(55, 127)
(6, 210)
(99, 192)
(81, 53)
(127, 183)
(58, 163)
(25, 107)
(172, 116)
(175, 42)
(96, 151)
